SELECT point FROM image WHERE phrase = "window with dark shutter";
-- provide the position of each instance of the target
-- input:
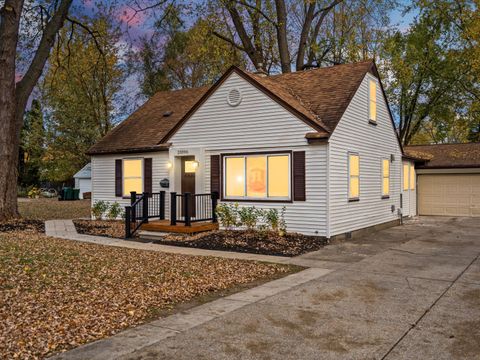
(299, 193)
(215, 173)
(118, 178)
(147, 175)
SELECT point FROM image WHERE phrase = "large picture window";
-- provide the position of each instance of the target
(132, 176)
(265, 176)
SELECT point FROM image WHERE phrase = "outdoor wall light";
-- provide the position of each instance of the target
(169, 165)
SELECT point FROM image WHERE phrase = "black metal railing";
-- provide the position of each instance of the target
(187, 208)
(143, 207)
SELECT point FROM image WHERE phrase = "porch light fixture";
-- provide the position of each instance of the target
(169, 165)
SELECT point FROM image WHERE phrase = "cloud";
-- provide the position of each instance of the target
(18, 77)
(130, 17)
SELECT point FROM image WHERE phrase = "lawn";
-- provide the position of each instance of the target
(57, 294)
(49, 209)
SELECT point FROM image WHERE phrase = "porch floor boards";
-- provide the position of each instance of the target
(164, 226)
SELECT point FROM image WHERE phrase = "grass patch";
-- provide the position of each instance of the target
(57, 294)
(50, 209)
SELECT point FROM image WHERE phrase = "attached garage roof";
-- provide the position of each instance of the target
(319, 97)
(446, 155)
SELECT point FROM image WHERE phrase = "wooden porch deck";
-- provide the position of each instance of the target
(164, 226)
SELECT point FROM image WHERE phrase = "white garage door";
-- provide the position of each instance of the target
(450, 195)
(85, 185)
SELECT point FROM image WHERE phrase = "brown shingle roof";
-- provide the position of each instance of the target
(144, 129)
(447, 155)
(318, 96)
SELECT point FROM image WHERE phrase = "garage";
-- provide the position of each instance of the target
(448, 179)
(449, 194)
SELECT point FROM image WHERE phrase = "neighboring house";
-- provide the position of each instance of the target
(83, 180)
(320, 142)
(448, 179)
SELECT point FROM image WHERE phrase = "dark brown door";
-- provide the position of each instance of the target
(188, 182)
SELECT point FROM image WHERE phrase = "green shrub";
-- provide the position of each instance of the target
(114, 211)
(99, 208)
(227, 215)
(249, 216)
(275, 221)
(34, 192)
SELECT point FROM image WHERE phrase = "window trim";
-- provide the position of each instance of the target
(225, 198)
(142, 175)
(385, 195)
(370, 120)
(356, 198)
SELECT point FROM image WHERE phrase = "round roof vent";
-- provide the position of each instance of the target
(234, 97)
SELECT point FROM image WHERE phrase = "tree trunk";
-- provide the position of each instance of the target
(9, 144)
(282, 36)
(14, 97)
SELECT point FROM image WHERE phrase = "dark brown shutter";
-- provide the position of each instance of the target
(118, 178)
(147, 175)
(215, 173)
(299, 176)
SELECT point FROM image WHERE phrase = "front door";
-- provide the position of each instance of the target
(188, 181)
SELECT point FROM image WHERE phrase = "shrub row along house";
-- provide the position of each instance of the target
(321, 143)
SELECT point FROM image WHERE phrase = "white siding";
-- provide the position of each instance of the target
(372, 142)
(258, 124)
(409, 197)
(103, 174)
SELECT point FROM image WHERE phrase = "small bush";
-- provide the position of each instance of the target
(249, 216)
(99, 208)
(227, 215)
(34, 192)
(275, 221)
(115, 211)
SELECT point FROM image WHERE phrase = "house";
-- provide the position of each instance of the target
(83, 180)
(448, 179)
(321, 143)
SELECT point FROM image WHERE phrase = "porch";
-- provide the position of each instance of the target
(188, 213)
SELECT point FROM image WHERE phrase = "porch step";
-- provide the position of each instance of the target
(151, 235)
(164, 226)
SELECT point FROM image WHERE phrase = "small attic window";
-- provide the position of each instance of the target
(167, 113)
(234, 97)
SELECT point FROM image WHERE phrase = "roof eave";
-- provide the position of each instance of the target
(160, 147)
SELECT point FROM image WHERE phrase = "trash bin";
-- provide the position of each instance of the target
(76, 194)
(68, 193)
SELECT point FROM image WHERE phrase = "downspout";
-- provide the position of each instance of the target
(328, 192)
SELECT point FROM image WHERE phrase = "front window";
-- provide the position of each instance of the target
(385, 177)
(372, 101)
(353, 176)
(132, 176)
(257, 177)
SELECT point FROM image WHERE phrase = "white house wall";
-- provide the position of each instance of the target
(257, 124)
(103, 174)
(373, 143)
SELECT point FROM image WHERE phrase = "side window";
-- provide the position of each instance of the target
(385, 177)
(412, 177)
(353, 176)
(405, 176)
(372, 101)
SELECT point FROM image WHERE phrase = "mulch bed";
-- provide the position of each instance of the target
(23, 225)
(265, 243)
(108, 228)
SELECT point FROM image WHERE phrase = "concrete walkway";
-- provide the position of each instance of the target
(407, 292)
(65, 229)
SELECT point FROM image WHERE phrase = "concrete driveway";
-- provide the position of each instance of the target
(410, 292)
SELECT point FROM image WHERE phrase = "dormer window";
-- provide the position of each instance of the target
(372, 102)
